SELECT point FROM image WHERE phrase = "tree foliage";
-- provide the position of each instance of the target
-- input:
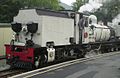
(76, 5)
(9, 8)
(49, 4)
(108, 11)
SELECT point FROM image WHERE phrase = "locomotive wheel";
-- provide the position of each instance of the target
(37, 62)
(116, 49)
(71, 52)
(65, 53)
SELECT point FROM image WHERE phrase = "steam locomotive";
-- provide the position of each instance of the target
(42, 36)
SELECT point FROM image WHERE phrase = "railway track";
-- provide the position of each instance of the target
(61, 65)
(10, 72)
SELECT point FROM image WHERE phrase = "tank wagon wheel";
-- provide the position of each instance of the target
(116, 48)
(112, 49)
(108, 50)
(105, 50)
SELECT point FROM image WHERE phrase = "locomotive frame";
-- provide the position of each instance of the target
(77, 44)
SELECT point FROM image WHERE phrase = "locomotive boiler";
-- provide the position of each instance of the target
(43, 36)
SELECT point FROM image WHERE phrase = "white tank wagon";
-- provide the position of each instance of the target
(101, 33)
(97, 32)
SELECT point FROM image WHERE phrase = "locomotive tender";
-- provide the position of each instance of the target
(42, 36)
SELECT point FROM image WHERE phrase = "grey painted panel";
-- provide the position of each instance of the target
(52, 13)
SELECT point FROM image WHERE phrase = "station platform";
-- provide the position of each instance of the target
(3, 65)
(107, 67)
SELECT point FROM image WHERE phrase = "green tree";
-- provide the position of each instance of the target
(108, 11)
(10, 8)
(49, 4)
(76, 5)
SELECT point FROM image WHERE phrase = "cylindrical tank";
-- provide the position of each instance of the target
(101, 33)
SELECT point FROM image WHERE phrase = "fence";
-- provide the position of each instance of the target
(5, 36)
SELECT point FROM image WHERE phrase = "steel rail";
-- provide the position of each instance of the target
(61, 65)
(10, 72)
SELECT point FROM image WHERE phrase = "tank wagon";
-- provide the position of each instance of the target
(43, 36)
